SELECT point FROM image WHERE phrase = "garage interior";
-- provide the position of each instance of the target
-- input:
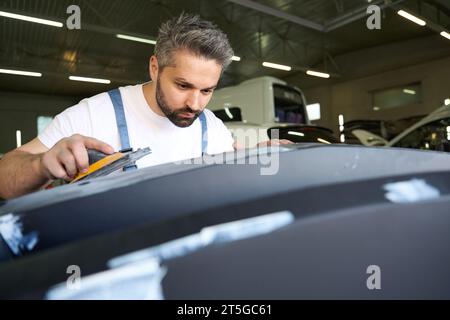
(329, 36)
(377, 66)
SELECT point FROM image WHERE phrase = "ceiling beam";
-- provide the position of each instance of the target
(279, 14)
(356, 14)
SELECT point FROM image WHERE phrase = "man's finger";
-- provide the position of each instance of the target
(81, 157)
(56, 170)
(67, 160)
(92, 143)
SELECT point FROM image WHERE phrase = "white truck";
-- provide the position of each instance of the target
(264, 100)
(264, 108)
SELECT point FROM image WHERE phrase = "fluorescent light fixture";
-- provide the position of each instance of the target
(341, 120)
(376, 108)
(448, 129)
(236, 58)
(412, 18)
(341, 128)
(409, 91)
(131, 38)
(323, 141)
(227, 111)
(295, 133)
(342, 138)
(276, 66)
(21, 73)
(447, 102)
(313, 111)
(445, 35)
(18, 138)
(84, 79)
(318, 74)
(31, 19)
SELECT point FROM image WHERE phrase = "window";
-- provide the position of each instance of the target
(289, 105)
(43, 122)
(431, 136)
(313, 111)
(397, 97)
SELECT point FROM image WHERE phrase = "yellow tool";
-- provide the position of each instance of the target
(101, 164)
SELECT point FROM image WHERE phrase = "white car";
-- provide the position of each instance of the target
(430, 133)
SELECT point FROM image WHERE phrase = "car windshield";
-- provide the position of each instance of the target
(431, 136)
(289, 105)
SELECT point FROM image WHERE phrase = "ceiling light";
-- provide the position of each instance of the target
(229, 114)
(18, 138)
(131, 38)
(447, 102)
(412, 18)
(84, 79)
(318, 74)
(276, 66)
(409, 91)
(31, 19)
(445, 35)
(236, 58)
(294, 133)
(341, 119)
(21, 73)
(323, 141)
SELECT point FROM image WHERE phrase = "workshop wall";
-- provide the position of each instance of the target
(353, 99)
(19, 111)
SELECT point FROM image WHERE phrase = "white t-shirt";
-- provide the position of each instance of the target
(95, 117)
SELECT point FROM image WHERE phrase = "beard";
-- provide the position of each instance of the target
(174, 115)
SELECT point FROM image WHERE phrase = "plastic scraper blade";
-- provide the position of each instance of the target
(102, 165)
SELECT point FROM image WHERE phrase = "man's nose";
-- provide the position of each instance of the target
(193, 100)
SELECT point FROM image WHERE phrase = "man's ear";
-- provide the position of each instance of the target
(153, 68)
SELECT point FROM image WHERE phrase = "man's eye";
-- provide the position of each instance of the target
(182, 86)
(209, 91)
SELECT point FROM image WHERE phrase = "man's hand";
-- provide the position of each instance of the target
(31, 166)
(69, 156)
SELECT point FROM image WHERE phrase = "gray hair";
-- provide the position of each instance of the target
(190, 32)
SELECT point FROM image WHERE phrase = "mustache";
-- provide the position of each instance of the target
(188, 110)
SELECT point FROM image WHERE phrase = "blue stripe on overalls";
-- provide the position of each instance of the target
(122, 127)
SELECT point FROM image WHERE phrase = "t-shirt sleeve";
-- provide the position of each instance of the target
(220, 139)
(74, 120)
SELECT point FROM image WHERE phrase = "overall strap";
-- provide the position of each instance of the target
(204, 123)
(121, 122)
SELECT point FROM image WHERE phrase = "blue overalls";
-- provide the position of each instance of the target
(121, 122)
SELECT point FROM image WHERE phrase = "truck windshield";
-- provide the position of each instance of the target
(289, 106)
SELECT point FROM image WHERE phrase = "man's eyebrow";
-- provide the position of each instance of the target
(190, 85)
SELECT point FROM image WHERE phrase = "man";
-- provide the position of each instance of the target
(167, 114)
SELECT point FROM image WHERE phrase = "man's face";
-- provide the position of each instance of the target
(184, 89)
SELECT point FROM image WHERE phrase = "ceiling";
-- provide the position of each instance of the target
(320, 34)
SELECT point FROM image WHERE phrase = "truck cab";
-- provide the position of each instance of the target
(263, 100)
